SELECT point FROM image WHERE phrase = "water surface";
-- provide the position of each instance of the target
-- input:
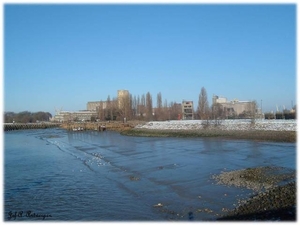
(104, 176)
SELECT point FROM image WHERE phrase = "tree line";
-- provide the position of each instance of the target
(138, 107)
(26, 117)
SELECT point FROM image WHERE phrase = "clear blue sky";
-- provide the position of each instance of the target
(66, 55)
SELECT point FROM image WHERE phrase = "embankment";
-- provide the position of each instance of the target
(276, 131)
(262, 135)
(101, 126)
(260, 130)
(25, 126)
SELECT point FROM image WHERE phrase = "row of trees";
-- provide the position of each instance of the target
(141, 108)
(26, 117)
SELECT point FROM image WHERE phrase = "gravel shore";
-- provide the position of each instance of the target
(274, 198)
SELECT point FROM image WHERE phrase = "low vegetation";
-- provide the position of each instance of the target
(259, 135)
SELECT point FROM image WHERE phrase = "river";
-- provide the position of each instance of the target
(58, 175)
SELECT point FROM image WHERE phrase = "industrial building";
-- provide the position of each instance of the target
(123, 95)
(92, 111)
(82, 115)
(96, 105)
(235, 107)
(187, 110)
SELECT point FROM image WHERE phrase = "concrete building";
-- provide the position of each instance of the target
(187, 110)
(235, 107)
(217, 99)
(94, 106)
(82, 115)
(123, 96)
(62, 116)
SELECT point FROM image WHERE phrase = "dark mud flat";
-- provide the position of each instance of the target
(277, 204)
(275, 198)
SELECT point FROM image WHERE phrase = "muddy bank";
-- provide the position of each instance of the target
(257, 179)
(276, 204)
(259, 135)
(101, 126)
(274, 193)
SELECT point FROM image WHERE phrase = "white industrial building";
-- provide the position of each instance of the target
(236, 107)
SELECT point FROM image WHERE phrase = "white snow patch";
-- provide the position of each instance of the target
(260, 124)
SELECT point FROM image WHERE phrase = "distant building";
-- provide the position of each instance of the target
(82, 115)
(123, 95)
(217, 99)
(187, 110)
(62, 116)
(236, 107)
(94, 106)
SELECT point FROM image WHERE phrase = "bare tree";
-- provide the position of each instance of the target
(159, 101)
(149, 107)
(142, 107)
(143, 100)
(101, 113)
(175, 110)
(114, 106)
(124, 106)
(166, 111)
(138, 103)
(134, 106)
(159, 107)
(217, 111)
(130, 109)
(203, 108)
(108, 114)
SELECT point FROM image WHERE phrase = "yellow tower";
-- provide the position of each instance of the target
(123, 96)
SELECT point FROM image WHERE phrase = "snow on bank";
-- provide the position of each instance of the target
(279, 125)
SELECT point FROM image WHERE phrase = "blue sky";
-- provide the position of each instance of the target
(66, 55)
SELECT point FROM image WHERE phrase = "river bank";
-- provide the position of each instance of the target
(101, 126)
(277, 204)
(261, 130)
(274, 198)
(238, 124)
(262, 135)
(258, 130)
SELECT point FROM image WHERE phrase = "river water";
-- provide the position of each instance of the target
(57, 175)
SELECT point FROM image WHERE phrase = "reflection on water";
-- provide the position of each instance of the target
(105, 176)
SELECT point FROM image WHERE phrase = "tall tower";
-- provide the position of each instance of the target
(123, 96)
